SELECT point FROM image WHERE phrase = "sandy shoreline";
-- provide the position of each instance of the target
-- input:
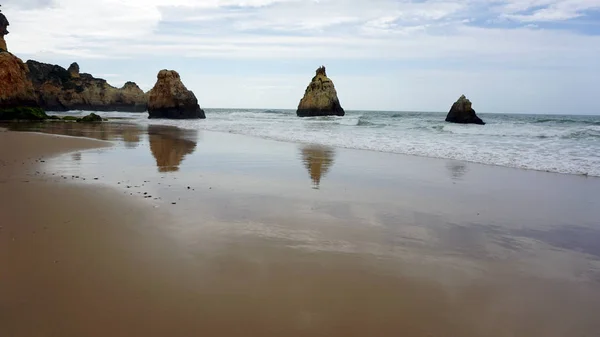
(271, 239)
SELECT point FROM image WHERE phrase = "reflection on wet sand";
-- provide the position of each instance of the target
(357, 259)
(169, 145)
(317, 160)
(131, 137)
(457, 169)
(128, 133)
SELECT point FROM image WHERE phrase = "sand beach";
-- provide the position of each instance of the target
(127, 230)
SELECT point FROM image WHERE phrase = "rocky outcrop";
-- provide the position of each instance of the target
(58, 89)
(91, 118)
(320, 98)
(17, 96)
(171, 99)
(74, 70)
(463, 113)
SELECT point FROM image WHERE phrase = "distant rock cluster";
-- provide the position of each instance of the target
(59, 89)
(26, 90)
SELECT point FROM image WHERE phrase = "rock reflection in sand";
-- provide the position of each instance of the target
(317, 160)
(169, 145)
(128, 133)
(457, 169)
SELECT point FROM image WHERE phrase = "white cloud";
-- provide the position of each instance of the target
(547, 10)
(326, 31)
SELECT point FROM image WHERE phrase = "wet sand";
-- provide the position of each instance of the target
(250, 237)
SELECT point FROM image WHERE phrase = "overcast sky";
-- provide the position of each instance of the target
(530, 56)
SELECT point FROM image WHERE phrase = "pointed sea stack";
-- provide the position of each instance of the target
(171, 99)
(462, 112)
(320, 98)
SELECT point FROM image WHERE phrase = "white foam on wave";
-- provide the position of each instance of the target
(561, 148)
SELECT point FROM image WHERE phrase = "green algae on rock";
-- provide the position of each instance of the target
(91, 118)
(23, 113)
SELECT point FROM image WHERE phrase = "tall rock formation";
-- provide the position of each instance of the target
(171, 99)
(320, 98)
(58, 89)
(17, 97)
(462, 112)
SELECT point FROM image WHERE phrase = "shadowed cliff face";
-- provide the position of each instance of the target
(59, 89)
(15, 87)
(317, 160)
(169, 145)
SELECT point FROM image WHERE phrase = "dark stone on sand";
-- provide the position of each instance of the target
(463, 113)
(91, 118)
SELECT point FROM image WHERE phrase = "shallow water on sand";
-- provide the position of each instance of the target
(312, 240)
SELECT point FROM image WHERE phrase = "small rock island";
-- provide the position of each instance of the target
(320, 98)
(462, 112)
(171, 99)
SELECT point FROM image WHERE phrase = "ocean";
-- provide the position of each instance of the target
(563, 144)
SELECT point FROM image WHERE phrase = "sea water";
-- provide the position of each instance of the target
(563, 144)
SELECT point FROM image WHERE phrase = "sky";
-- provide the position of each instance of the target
(507, 56)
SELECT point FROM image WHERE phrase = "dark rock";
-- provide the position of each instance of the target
(171, 99)
(74, 70)
(3, 31)
(462, 112)
(91, 118)
(23, 114)
(320, 98)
